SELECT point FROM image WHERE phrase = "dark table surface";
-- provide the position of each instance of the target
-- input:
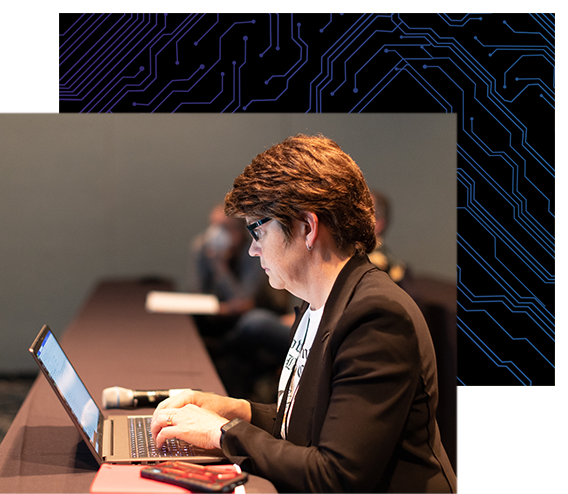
(112, 341)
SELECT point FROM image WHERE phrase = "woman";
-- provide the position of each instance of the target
(357, 396)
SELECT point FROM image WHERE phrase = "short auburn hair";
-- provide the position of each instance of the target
(308, 174)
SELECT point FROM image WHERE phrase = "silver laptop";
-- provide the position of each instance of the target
(116, 439)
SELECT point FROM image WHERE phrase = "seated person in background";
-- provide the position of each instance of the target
(382, 257)
(221, 266)
(356, 407)
(253, 354)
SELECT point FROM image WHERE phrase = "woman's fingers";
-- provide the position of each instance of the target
(191, 423)
(162, 419)
(177, 401)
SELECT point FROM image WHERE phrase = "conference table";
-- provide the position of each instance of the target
(113, 341)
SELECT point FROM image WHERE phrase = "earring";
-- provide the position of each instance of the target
(309, 247)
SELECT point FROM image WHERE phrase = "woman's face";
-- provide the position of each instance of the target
(281, 261)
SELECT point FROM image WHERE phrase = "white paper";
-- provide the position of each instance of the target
(181, 303)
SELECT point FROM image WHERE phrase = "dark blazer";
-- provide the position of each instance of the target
(364, 415)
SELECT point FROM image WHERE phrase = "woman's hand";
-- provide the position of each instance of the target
(226, 407)
(190, 423)
(196, 417)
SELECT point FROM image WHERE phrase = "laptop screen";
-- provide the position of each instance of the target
(70, 387)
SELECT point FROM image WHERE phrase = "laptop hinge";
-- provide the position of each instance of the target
(108, 434)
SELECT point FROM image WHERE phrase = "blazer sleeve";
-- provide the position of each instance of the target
(263, 416)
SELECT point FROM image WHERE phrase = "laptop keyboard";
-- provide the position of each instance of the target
(142, 443)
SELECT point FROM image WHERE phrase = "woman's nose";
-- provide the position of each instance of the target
(254, 249)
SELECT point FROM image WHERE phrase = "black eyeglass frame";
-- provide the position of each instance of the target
(253, 226)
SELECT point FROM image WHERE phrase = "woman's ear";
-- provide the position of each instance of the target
(311, 228)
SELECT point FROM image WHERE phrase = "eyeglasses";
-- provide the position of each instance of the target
(253, 226)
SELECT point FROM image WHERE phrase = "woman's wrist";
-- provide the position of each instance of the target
(242, 410)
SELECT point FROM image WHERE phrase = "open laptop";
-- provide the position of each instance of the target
(116, 439)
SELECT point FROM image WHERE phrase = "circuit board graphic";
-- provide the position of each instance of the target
(495, 71)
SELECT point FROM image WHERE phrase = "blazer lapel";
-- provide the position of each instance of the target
(310, 387)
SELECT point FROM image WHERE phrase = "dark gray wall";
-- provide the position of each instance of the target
(85, 197)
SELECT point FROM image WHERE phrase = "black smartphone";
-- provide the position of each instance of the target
(197, 478)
